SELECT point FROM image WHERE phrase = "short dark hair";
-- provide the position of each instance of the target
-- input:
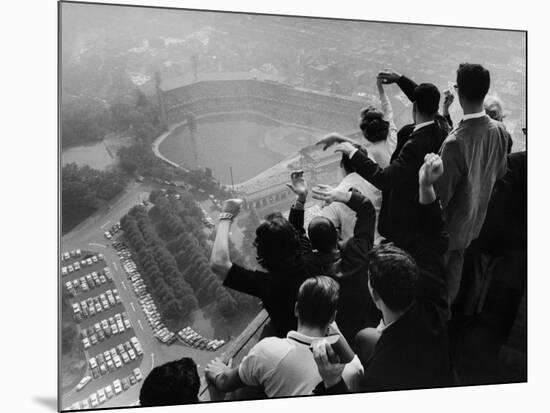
(473, 81)
(373, 125)
(322, 234)
(346, 163)
(175, 382)
(426, 97)
(317, 300)
(276, 243)
(393, 275)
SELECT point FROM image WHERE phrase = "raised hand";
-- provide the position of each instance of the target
(298, 185)
(232, 206)
(388, 76)
(344, 147)
(431, 170)
(447, 102)
(328, 362)
(331, 139)
(328, 194)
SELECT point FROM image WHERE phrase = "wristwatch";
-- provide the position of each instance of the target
(226, 215)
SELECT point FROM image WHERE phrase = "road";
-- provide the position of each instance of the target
(88, 236)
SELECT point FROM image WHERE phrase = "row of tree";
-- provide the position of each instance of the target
(172, 294)
(179, 223)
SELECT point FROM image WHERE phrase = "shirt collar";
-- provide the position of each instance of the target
(421, 125)
(301, 338)
(474, 115)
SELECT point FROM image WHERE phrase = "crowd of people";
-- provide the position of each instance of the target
(368, 296)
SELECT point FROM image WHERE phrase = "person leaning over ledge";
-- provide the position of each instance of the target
(279, 250)
(285, 366)
(410, 347)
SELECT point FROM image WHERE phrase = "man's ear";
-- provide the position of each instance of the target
(296, 309)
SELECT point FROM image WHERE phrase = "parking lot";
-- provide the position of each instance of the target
(112, 350)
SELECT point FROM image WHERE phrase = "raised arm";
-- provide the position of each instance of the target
(299, 187)
(388, 114)
(402, 168)
(220, 261)
(432, 241)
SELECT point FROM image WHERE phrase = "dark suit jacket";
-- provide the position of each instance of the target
(414, 352)
(398, 219)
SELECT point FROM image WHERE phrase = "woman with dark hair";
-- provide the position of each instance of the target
(279, 251)
(379, 128)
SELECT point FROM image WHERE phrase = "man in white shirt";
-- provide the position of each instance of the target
(285, 366)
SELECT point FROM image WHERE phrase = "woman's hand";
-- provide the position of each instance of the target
(328, 194)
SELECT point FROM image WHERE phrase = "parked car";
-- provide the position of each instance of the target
(117, 386)
(93, 400)
(125, 357)
(94, 259)
(111, 366)
(137, 373)
(76, 266)
(86, 343)
(92, 362)
(101, 396)
(125, 383)
(89, 261)
(64, 271)
(103, 369)
(82, 383)
(132, 379)
(117, 361)
(108, 235)
(109, 391)
(132, 354)
(70, 268)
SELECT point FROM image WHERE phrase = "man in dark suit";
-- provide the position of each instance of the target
(398, 220)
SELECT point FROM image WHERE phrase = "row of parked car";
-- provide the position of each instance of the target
(89, 281)
(67, 255)
(114, 358)
(148, 306)
(102, 395)
(194, 339)
(104, 329)
(111, 232)
(77, 265)
(97, 304)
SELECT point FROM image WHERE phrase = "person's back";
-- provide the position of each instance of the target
(284, 367)
(411, 353)
(474, 158)
(479, 149)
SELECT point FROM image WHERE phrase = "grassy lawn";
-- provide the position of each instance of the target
(70, 218)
